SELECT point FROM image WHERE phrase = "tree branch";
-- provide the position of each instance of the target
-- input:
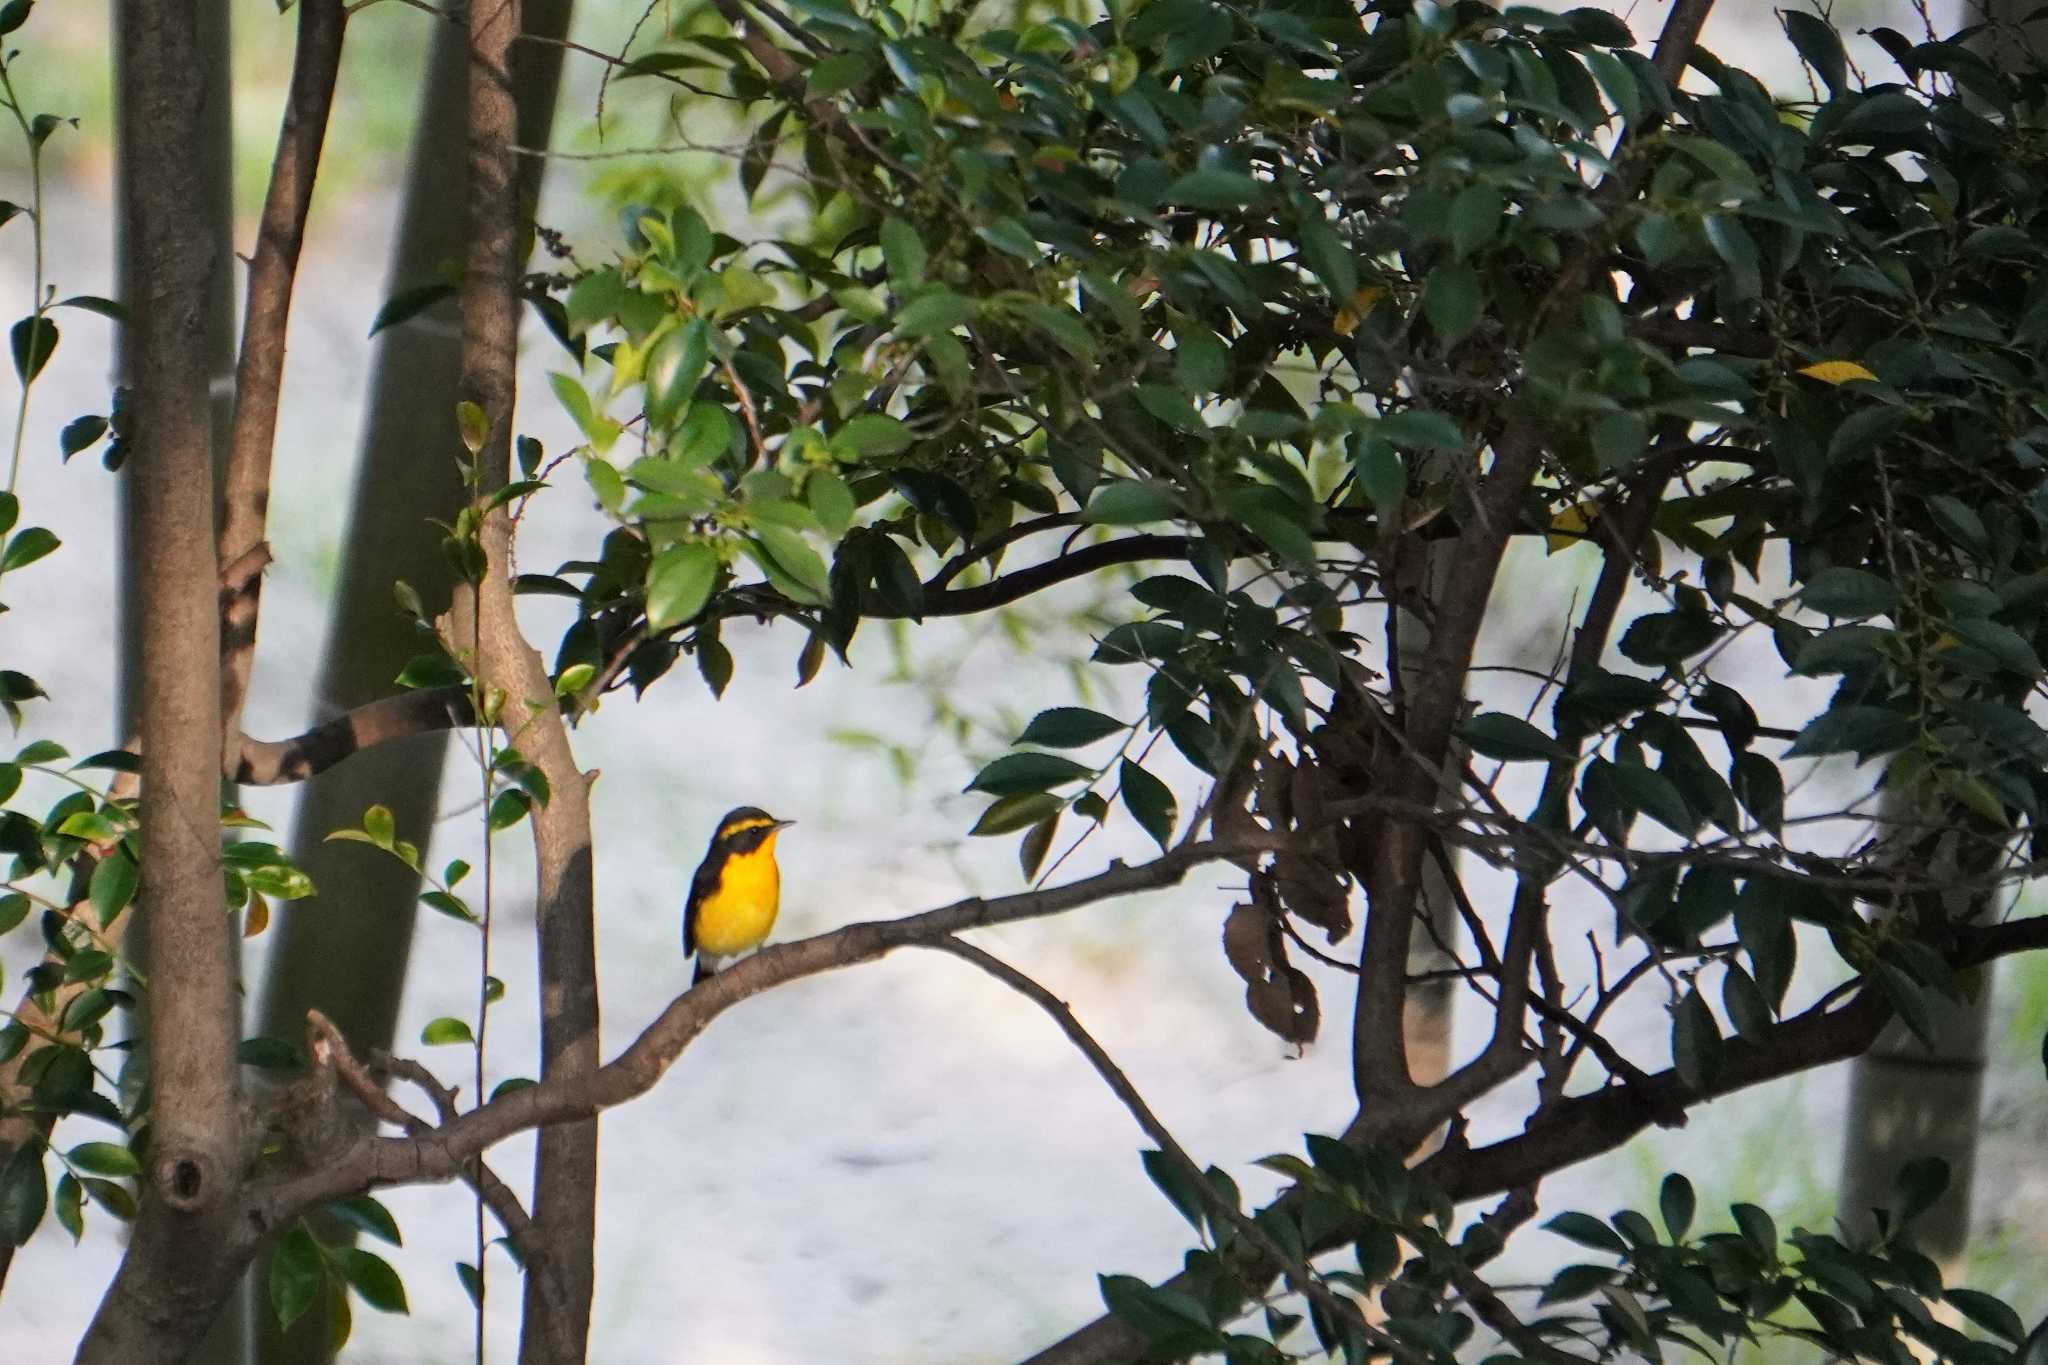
(1297, 1273)
(264, 763)
(260, 373)
(326, 1046)
(568, 1097)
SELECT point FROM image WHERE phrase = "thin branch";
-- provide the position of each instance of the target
(260, 373)
(326, 1046)
(264, 763)
(1297, 1273)
(565, 1098)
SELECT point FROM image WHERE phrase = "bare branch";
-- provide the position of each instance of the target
(568, 1097)
(263, 763)
(260, 373)
(1297, 1273)
(326, 1046)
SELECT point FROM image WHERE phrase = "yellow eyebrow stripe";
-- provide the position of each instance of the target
(742, 826)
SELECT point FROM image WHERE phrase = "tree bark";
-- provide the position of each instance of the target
(349, 959)
(172, 1281)
(565, 1163)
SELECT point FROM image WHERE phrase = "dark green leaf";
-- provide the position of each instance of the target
(294, 1274)
(1150, 801)
(1126, 502)
(1510, 738)
(24, 1193)
(1820, 45)
(1069, 727)
(1695, 1042)
(1587, 1231)
(80, 433)
(410, 303)
(1676, 1201)
(1451, 300)
(1017, 811)
(372, 1277)
(35, 340)
(1027, 772)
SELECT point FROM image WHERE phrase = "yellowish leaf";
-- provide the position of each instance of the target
(1569, 527)
(1357, 308)
(1836, 371)
(258, 918)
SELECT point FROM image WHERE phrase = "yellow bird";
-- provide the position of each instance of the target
(737, 889)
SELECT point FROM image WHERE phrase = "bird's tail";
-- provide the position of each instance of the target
(705, 970)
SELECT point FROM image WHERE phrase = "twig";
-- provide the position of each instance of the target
(259, 374)
(1297, 1272)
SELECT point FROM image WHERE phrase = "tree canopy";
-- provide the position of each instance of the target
(1289, 331)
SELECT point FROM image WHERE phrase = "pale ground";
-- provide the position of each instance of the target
(899, 1163)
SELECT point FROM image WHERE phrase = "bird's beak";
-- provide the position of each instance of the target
(784, 824)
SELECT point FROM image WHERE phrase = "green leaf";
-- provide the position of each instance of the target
(473, 424)
(1510, 739)
(35, 340)
(1273, 517)
(27, 547)
(1851, 593)
(1695, 1042)
(1959, 522)
(831, 501)
(1820, 46)
(14, 15)
(1126, 502)
(446, 1029)
(1993, 1315)
(113, 884)
(1619, 438)
(1016, 811)
(941, 310)
(80, 433)
(1069, 727)
(410, 303)
(1676, 1201)
(1733, 244)
(431, 670)
(1027, 772)
(472, 1282)
(872, 433)
(674, 370)
(294, 1274)
(791, 564)
(1654, 795)
(372, 1277)
(1418, 429)
(1451, 300)
(1150, 802)
(24, 1194)
(1587, 1231)
(70, 1206)
(1747, 1009)
(679, 582)
(903, 252)
(1475, 218)
(104, 1158)
(1917, 1185)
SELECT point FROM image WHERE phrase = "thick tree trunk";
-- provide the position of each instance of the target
(349, 960)
(180, 1265)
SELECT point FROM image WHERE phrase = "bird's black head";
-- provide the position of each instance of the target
(744, 819)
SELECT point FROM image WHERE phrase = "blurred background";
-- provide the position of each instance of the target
(902, 1162)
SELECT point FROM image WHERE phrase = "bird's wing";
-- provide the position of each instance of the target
(701, 888)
